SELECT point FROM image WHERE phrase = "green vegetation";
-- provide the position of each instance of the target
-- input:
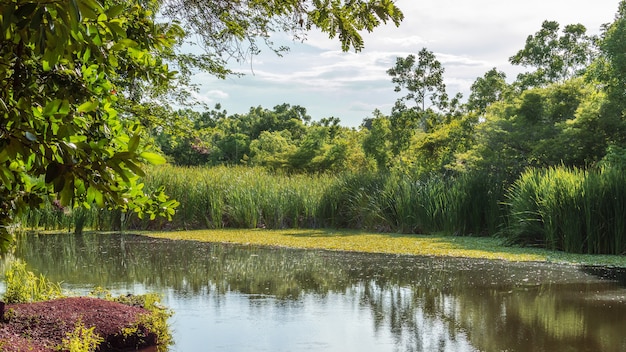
(82, 339)
(570, 209)
(23, 286)
(83, 83)
(537, 161)
(373, 242)
(244, 197)
(154, 322)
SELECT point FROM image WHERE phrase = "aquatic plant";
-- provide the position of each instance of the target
(24, 286)
(569, 209)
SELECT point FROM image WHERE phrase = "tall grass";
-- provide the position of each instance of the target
(464, 205)
(245, 197)
(572, 210)
(239, 197)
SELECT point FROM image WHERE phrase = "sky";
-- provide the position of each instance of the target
(469, 37)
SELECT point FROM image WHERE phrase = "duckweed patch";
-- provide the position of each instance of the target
(439, 245)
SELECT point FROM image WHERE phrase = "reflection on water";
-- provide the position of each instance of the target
(243, 298)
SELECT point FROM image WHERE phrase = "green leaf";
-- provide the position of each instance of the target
(133, 143)
(89, 8)
(88, 106)
(94, 195)
(116, 10)
(67, 193)
(134, 168)
(153, 158)
(53, 171)
(7, 177)
(26, 10)
(74, 12)
(116, 29)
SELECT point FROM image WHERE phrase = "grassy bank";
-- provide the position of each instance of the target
(370, 242)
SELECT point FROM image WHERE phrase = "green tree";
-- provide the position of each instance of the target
(272, 149)
(613, 48)
(377, 144)
(487, 90)
(281, 117)
(236, 29)
(422, 79)
(540, 127)
(555, 57)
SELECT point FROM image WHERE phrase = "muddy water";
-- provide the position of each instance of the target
(242, 298)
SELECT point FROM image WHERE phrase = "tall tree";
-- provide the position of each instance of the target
(613, 46)
(61, 133)
(555, 57)
(376, 143)
(422, 79)
(424, 102)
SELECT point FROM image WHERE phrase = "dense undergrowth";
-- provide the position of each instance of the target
(557, 208)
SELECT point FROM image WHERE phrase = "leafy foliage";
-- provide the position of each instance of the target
(79, 82)
(23, 286)
(555, 58)
(62, 134)
(235, 29)
(81, 339)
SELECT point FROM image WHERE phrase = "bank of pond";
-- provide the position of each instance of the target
(572, 210)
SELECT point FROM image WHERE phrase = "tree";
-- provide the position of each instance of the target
(272, 149)
(422, 79)
(487, 90)
(540, 127)
(613, 48)
(555, 58)
(377, 142)
(73, 74)
(61, 132)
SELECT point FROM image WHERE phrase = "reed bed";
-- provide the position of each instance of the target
(574, 210)
(239, 197)
(243, 197)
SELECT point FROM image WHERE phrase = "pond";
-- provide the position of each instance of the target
(245, 298)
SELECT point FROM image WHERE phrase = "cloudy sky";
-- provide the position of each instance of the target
(469, 37)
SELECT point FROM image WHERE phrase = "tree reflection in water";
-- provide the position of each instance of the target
(422, 303)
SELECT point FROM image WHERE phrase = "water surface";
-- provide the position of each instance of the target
(245, 298)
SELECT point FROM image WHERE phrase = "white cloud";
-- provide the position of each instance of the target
(469, 37)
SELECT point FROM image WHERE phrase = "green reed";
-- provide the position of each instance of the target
(243, 197)
(464, 205)
(572, 210)
(240, 197)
